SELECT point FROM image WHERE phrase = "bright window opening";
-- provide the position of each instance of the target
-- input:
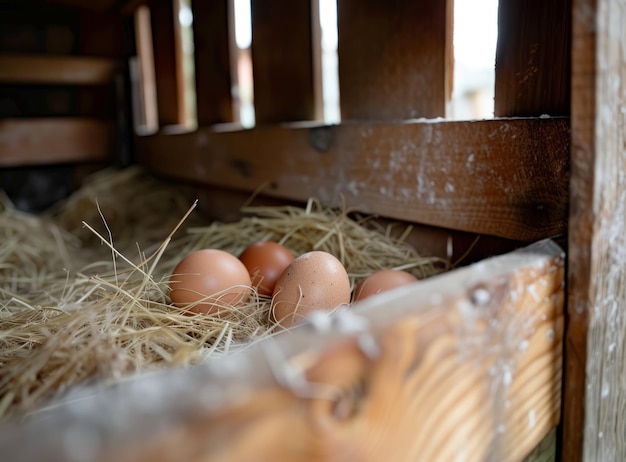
(475, 40)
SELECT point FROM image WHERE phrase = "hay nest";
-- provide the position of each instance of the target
(83, 292)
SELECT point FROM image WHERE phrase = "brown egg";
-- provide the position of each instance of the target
(208, 281)
(314, 281)
(382, 281)
(266, 261)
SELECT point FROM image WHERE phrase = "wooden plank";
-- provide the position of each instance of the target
(99, 5)
(595, 385)
(212, 62)
(75, 70)
(147, 113)
(392, 58)
(467, 356)
(167, 46)
(533, 58)
(54, 141)
(507, 178)
(282, 61)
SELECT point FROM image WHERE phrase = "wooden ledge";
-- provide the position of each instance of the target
(502, 177)
(54, 141)
(50, 69)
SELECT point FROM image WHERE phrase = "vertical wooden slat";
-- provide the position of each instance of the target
(166, 40)
(392, 58)
(595, 382)
(533, 59)
(282, 60)
(212, 61)
(147, 120)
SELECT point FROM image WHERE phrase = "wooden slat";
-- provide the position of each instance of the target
(533, 58)
(392, 58)
(282, 61)
(212, 61)
(167, 48)
(101, 5)
(595, 384)
(54, 141)
(507, 178)
(466, 365)
(16, 68)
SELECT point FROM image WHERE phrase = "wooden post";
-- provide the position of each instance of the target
(533, 58)
(282, 60)
(166, 41)
(595, 384)
(393, 58)
(212, 61)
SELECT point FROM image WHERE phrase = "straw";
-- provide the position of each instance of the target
(83, 301)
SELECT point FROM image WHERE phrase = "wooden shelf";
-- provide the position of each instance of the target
(55, 140)
(47, 69)
(504, 177)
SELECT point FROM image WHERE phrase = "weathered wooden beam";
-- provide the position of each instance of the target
(49, 69)
(595, 384)
(444, 174)
(463, 364)
(54, 140)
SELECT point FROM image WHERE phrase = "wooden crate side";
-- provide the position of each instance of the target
(595, 385)
(449, 366)
(513, 186)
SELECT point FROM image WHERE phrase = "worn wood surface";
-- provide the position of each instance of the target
(214, 102)
(54, 140)
(467, 364)
(51, 69)
(147, 113)
(595, 385)
(507, 178)
(392, 58)
(167, 55)
(101, 5)
(533, 58)
(282, 61)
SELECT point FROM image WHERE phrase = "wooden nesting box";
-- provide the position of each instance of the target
(513, 356)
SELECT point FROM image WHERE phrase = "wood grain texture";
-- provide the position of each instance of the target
(54, 141)
(74, 70)
(507, 178)
(282, 61)
(167, 53)
(533, 58)
(392, 58)
(101, 5)
(464, 365)
(214, 102)
(595, 385)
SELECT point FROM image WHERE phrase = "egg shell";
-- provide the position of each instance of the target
(209, 281)
(314, 281)
(382, 281)
(266, 261)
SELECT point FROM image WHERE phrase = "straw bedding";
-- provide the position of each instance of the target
(83, 292)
